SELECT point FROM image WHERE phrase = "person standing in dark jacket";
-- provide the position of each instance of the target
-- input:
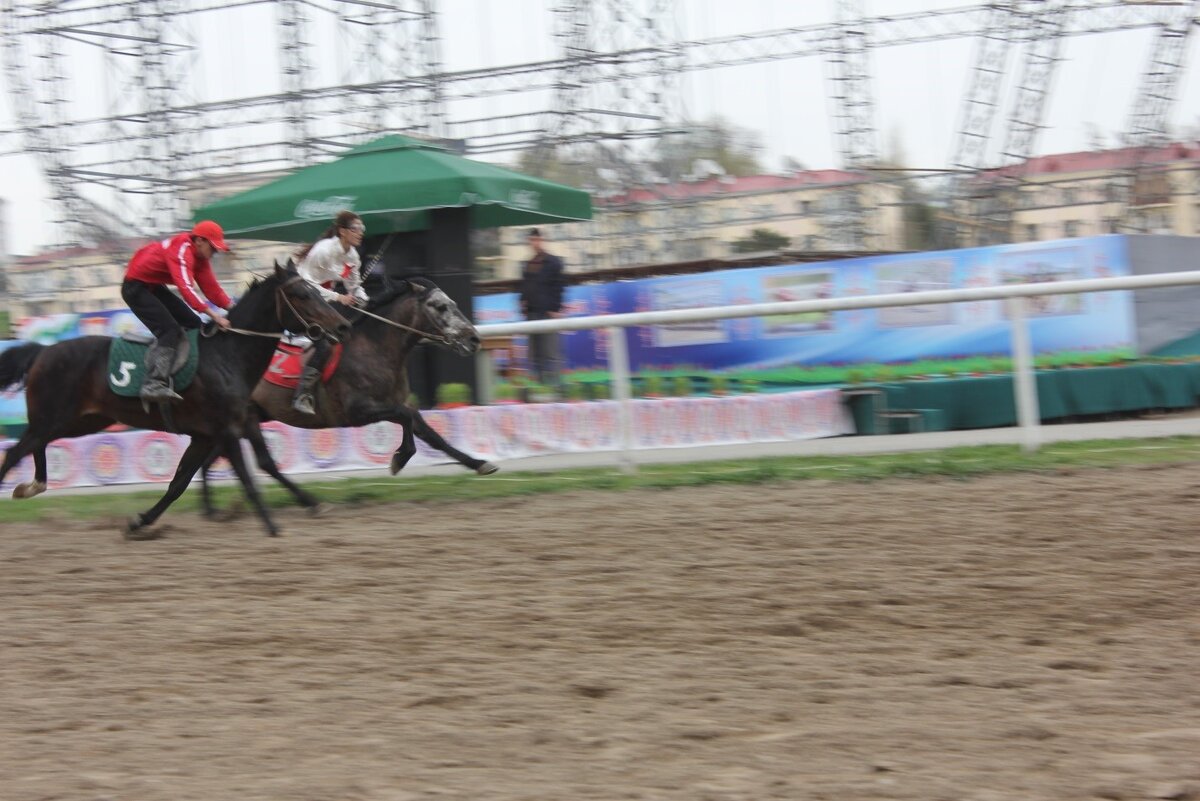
(542, 284)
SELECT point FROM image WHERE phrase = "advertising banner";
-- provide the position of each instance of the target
(1093, 321)
(507, 431)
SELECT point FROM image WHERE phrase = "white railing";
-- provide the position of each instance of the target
(1025, 390)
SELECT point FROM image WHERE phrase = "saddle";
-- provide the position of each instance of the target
(288, 364)
(127, 356)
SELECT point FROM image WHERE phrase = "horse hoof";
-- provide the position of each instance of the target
(134, 530)
(397, 464)
(486, 469)
(319, 510)
(28, 489)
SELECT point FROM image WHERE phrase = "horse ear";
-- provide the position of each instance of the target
(279, 271)
(415, 288)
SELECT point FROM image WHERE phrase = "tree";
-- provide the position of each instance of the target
(551, 165)
(761, 240)
(736, 150)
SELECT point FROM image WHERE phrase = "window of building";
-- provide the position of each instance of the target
(1031, 232)
(1071, 228)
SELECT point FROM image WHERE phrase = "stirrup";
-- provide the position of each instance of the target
(159, 392)
(304, 404)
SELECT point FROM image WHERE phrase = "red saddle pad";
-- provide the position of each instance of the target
(288, 363)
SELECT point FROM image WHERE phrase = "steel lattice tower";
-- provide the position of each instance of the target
(854, 119)
(1148, 122)
(603, 106)
(981, 105)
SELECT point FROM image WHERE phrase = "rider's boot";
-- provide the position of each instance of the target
(156, 388)
(303, 401)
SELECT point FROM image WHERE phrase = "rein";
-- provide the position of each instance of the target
(433, 337)
(279, 295)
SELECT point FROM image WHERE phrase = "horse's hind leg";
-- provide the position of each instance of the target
(430, 436)
(30, 489)
(197, 450)
(26, 445)
(37, 445)
(233, 452)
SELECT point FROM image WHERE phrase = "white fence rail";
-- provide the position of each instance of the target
(1015, 295)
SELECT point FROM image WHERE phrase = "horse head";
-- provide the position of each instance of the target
(299, 306)
(440, 316)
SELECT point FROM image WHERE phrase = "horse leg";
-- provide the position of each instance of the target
(194, 455)
(233, 452)
(206, 505)
(89, 424)
(266, 461)
(431, 437)
(30, 489)
(26, 445)
(404, 419)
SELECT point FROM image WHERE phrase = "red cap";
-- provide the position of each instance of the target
(212, 232)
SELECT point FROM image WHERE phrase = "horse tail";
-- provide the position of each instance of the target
(15, 364)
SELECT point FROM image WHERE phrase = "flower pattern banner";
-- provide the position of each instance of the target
(505, 431)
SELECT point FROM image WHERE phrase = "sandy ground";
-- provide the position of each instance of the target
(1016, 637)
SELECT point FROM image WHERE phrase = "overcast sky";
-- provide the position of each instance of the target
(918, 89)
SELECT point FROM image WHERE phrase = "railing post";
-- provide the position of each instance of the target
(1024, 378)
(618, 367)
(485, 370)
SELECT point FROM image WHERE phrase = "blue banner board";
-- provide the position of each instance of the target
(1093, 321)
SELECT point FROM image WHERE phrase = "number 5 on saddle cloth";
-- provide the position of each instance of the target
(127, 362)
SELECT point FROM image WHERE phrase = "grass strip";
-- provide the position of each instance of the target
(964, 463)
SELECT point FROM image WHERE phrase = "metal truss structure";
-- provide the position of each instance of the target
(1147, 127)
(135, 166)
(853, 116)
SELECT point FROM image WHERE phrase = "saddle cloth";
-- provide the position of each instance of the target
(127, 363)
(288, 363)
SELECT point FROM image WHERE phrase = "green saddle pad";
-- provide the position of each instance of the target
(127, 365)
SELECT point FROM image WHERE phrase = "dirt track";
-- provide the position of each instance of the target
(1013, 637)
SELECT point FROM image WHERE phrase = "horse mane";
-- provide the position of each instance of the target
(253, 292)
(382, 292)
(257, 280)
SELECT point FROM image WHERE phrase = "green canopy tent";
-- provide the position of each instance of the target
(394, 183)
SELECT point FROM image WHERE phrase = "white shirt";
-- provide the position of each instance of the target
(327, 262)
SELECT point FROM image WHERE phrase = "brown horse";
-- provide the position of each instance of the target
(67, 392)
(371, 381)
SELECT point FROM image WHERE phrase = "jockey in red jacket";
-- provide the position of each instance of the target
(182, 261)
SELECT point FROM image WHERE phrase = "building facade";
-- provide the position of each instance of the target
(813, 209)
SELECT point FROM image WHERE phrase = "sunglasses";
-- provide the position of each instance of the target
(358, 228)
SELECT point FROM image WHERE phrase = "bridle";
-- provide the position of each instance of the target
(432, 337)
(311, 330)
